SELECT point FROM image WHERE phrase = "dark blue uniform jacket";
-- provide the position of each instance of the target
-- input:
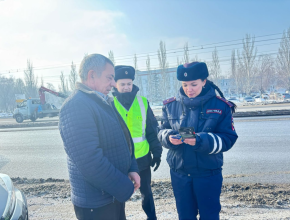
(212, 119)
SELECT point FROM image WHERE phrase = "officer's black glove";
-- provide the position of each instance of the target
(156, 161)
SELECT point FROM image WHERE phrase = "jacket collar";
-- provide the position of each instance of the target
(82, 87)
(197, 101)
(126, 99)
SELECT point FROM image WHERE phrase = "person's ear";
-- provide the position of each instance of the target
(91, 74)
(204, 82)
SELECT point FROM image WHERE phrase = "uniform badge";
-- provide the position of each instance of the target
(215, 111)
(185, 74)
(126, 72)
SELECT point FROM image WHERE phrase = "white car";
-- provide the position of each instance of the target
(13, 204)
(234, 100)
(265, 96)
(259, 99)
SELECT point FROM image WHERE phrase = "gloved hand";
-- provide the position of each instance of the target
(156, 161)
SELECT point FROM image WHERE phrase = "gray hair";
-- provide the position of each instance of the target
(96, 62)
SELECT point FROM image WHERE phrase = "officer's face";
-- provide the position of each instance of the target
(193, 88)
(124, 85)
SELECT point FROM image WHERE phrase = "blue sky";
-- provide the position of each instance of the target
(53, 33)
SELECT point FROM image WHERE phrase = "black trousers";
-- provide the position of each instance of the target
(112, 211)
(147, 196)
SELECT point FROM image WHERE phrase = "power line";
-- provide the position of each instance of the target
(174, 52)
(206, 44)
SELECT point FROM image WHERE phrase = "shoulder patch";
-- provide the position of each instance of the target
(225, 101)
(166, 101)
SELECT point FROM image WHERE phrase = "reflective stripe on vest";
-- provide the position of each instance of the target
(135, 120)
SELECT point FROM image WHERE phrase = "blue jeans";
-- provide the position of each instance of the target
(195, 195)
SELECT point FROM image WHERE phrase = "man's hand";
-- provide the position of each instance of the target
(174, 141)
(135, 178)
(190, 141)
(156, 161)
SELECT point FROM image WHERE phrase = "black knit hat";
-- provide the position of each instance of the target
(124, 72)
(192, 71)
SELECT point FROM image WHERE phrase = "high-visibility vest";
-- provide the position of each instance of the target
(135, 120)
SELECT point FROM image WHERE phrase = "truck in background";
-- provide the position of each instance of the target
(33, 108)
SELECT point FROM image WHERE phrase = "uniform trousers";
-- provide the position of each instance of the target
(146, 193)
(197, 195)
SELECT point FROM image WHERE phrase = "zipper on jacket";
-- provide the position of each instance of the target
(113, 199)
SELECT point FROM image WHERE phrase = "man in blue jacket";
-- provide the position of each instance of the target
(100, 151)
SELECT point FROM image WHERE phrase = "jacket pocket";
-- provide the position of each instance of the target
(208, 123)
(174, 158)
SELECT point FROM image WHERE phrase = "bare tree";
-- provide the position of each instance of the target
(19, 86)
(163, 65)
(247, 61)
(235, 73)
(111, 56)
(266, 73)
(186, 53)
(195, 58)
(179, 62)
(50, 86)
(138, 77)
(73, 77)
(149, 89)
(283, 58)
(42, 81)
(30, 81)
(215, 69)
(63, 87)
(7, 95)
(176, 82)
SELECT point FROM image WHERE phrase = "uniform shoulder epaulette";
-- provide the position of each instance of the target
(225, 101)
(166, 101)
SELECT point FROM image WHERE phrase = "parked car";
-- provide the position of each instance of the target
(265, 96)
(286, 96)
(249, 99)
(234, 100)
(259, 99)
(13, 204)
(278, 96)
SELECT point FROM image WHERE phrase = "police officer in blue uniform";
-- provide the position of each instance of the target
(196, 163)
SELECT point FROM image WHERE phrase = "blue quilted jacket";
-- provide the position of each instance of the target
(99, 150)
(215, 133)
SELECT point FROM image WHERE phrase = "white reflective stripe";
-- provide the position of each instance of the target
(214, 143)
(143, 113)
(220, 144)
(138, 139)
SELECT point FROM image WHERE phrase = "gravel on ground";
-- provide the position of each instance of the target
(50, 199)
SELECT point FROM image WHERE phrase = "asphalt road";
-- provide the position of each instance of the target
(261, 153)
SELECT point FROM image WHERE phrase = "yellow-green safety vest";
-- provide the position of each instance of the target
(135, 120)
